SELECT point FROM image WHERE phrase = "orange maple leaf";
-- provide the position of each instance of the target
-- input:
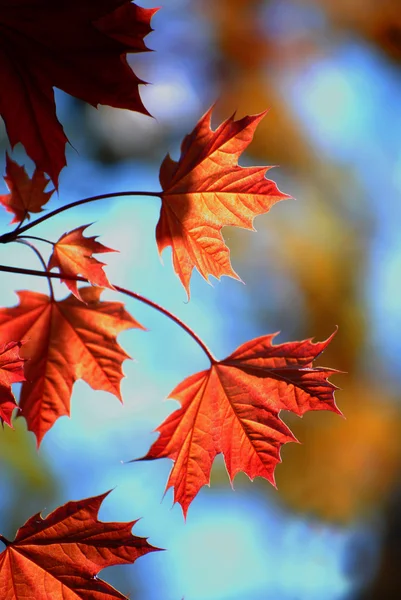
(59, 557)
(72, 254)
(27, 195)
(11, 371)
(233, 408)
(65, 341)
(206, 190)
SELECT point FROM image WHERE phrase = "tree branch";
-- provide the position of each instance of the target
(143, 299)
(5, 541)
(10, 236)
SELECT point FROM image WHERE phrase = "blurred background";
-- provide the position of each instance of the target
(330, 72)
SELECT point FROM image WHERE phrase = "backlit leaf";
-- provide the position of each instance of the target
(73, 256)
(65, 341)
(233, 408)
(11, 371)
(206, 190)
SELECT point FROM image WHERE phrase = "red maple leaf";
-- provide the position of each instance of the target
(59, 557)
(27, 195)
(11, 371)
(78, 47)
(72, 254)
(65, 341)
(233, 408)
(206, 190)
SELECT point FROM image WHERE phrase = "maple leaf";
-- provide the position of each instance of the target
(72, 254)
(233, 408)
(26, 195)
(65, 341)
(59, 557)
(11, 371)
(206, 190)
(78, 47)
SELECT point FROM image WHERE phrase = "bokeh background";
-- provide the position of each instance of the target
(330, 72)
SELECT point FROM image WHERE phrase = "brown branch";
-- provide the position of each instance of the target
(143, 299)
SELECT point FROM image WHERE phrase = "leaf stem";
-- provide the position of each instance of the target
(9, 237)
(42, 260)
(122, 290)
(171, 316)
(35, 237)
(5, 541)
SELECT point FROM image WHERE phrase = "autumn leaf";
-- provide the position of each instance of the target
(27, 195)
(72, 254)
(206, 190)
(59, 557)
(11, 371)
(233, 408)
(78, 47)
(65, 341)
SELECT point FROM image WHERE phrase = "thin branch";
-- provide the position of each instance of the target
(122, 290)
(170, 315)
(35, 237)
(5, 541)
(20, 224)
(40, 257)
(9, 237)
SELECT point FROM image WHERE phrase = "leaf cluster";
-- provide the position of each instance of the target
(232, 408)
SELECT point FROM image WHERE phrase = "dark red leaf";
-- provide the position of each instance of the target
(59, 557)
(27, 195)
(79, 47)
